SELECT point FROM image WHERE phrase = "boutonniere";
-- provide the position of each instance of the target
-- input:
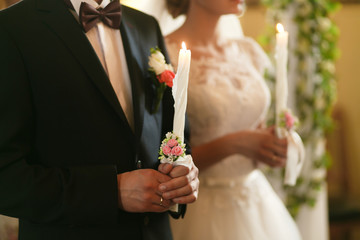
(162, 75)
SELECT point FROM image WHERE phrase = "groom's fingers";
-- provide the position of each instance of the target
(161, 177)
(178, 182)
(184, 186)
(138, 191)
(186, 199)
(179, 171)
(161, 205)
(165, 168)
(186, 190)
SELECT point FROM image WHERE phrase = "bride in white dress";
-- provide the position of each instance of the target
(227, 103)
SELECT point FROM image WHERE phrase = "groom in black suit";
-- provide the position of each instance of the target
(75, 162)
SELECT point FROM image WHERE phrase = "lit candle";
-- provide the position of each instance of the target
(179, 91)
(281, 74)
(295, 149)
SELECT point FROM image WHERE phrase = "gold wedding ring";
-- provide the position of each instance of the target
(161, 201)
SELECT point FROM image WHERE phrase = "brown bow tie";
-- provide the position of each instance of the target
(110, 15)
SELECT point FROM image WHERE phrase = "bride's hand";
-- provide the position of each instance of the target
(262, 145)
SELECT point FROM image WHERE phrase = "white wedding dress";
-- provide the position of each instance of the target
(227, 93)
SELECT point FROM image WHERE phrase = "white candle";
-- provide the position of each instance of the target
(179, 91)
(281, 73)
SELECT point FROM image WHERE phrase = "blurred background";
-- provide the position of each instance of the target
(335, 202)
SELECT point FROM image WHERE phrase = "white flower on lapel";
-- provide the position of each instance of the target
(162, 74)
(157, 62)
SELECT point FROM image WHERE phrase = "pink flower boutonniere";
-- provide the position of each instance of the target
(162, 75)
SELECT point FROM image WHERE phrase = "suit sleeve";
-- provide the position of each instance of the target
(78, 195)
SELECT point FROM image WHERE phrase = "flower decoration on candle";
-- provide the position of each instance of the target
(281, 76)
(288, 120)
(314, 88)
(285, 120)
(171, 148)
(162, 75)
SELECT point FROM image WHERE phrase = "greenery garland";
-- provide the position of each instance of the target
(315, 92)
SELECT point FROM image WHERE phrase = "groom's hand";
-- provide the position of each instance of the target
(183, 187)
(139, 191)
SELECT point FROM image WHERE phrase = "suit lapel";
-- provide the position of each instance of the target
(55, 14)
(130, 39)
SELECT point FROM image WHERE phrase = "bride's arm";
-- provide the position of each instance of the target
(259, 145)
(212, 152)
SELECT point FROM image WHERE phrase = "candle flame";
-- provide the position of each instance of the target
(183, 45)
(280, 27)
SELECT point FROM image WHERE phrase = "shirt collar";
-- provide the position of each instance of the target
(77, 3)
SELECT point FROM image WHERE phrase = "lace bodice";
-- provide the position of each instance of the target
(226, 93)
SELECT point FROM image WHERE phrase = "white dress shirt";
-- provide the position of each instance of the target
(108, 45)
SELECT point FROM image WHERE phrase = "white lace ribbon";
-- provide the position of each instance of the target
(295, 158)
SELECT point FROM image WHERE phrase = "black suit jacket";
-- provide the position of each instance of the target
(63, 134)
